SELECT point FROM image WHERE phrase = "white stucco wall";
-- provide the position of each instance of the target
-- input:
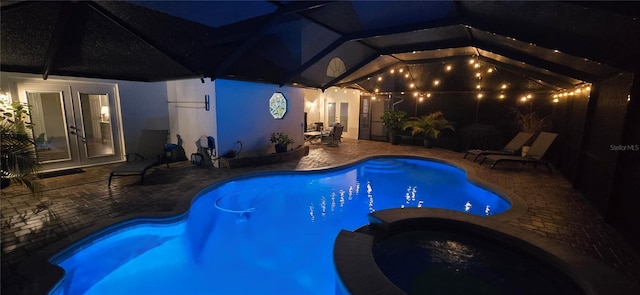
(243, 115)
(187, 116)
(143, 106)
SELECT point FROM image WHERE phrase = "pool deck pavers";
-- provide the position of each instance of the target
(72, 206)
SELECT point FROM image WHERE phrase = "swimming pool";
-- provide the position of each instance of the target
(269, 233)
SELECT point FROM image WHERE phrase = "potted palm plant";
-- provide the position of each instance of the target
(281, 141)
(394, 121)
(430, 126)
(17, 157)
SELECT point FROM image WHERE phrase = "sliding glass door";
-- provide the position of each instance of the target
(73, 125)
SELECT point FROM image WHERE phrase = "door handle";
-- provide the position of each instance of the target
(74, 128)
(84, 140)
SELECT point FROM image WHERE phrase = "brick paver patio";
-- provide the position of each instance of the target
(72, 204)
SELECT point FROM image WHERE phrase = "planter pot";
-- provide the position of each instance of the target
(395, 139)
(281, 148)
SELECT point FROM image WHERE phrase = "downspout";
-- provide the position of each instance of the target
(395, 103)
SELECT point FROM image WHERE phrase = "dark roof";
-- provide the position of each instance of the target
(552, 45)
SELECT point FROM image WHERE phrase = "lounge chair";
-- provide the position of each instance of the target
(151, 152)
(534, 156)
(510, 149)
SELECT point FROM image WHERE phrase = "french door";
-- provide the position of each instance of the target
(74, 125)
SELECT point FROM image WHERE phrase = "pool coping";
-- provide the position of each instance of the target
(44, 276)
(358, 272)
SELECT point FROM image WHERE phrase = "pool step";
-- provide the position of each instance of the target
(388, 166)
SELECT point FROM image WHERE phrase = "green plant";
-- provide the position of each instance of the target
(281, 139)
(18, 160)
(430, 125)
(394, 120)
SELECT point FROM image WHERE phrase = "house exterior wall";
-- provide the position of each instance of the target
(187, 114)
(142, 104)
(243, 115)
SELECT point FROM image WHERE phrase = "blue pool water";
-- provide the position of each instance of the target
(263, 234)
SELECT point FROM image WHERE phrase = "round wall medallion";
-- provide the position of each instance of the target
(278, 105)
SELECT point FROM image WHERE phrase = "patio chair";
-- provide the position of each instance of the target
(511, 148)
(534, 156)
(336, 135)
(151, 152)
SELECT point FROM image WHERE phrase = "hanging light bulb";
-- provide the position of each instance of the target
(490, 70)
(436, 82)
(472, 61)
(421, 98)
(476, 65)
(501, 96)
(415, 94)
(448, 68)
(555, 100)
(504, 86)
(400, 70)
(392, 71)
(380, 78)
(412, 85)
(428, 94)
(406, 75)
(479, 95)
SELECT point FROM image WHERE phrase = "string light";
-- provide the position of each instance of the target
(380, 78)
(436, 82)
(448, 68)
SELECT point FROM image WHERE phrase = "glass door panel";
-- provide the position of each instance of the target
(97, 134)
(49, 126)
(344, 114)
(331, 114)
